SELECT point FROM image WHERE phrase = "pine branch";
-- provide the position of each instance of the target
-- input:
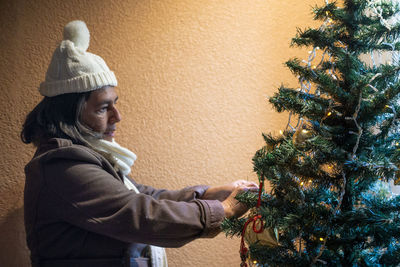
(233, 226)
(304, 104)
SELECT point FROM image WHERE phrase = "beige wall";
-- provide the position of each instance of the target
(193, 81)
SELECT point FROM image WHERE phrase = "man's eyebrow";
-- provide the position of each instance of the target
(108, 102)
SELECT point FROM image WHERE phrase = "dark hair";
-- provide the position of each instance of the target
(57, 116)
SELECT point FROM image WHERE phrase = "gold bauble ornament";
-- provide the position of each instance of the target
(329, 168)
(397, 177)
(268, 148)
(397, 173)
(300, 138)
(267, 237)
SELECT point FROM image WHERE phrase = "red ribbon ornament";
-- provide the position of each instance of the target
(243, 250)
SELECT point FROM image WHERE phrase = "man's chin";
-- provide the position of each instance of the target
(108, 137)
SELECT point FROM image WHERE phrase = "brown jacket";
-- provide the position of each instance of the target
(77, 207)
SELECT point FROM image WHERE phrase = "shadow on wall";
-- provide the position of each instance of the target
(13, 249)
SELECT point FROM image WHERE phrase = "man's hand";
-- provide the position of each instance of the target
(222, 192)
(227, 193)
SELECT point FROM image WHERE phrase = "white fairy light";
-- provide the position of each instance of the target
(375, 10)
(306, 85)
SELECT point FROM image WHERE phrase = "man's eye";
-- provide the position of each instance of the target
(102, 110)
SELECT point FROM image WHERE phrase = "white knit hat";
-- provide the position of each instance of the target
(72, 69)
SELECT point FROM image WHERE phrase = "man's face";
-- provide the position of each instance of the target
(100, 113)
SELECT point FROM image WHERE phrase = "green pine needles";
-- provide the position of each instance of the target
(331, 203)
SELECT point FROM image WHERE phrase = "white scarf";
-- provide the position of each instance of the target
(122, 160)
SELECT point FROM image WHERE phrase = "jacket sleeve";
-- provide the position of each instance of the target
(89, 197)
(185, 194)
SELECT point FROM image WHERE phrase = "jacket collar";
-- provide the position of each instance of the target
(54, 143)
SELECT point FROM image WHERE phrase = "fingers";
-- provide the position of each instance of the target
(232, 207)
(251, 189)
(244, 183)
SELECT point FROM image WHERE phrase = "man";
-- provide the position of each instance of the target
(81, 208)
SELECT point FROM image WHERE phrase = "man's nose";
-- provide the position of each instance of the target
(116, 116)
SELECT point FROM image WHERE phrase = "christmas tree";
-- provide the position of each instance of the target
(330, 202)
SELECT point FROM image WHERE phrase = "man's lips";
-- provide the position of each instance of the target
(109, 132)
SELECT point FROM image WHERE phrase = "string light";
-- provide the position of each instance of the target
(321, 239)
(305, 85)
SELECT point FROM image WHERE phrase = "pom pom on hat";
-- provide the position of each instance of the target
(74, 70)
(77, 32)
